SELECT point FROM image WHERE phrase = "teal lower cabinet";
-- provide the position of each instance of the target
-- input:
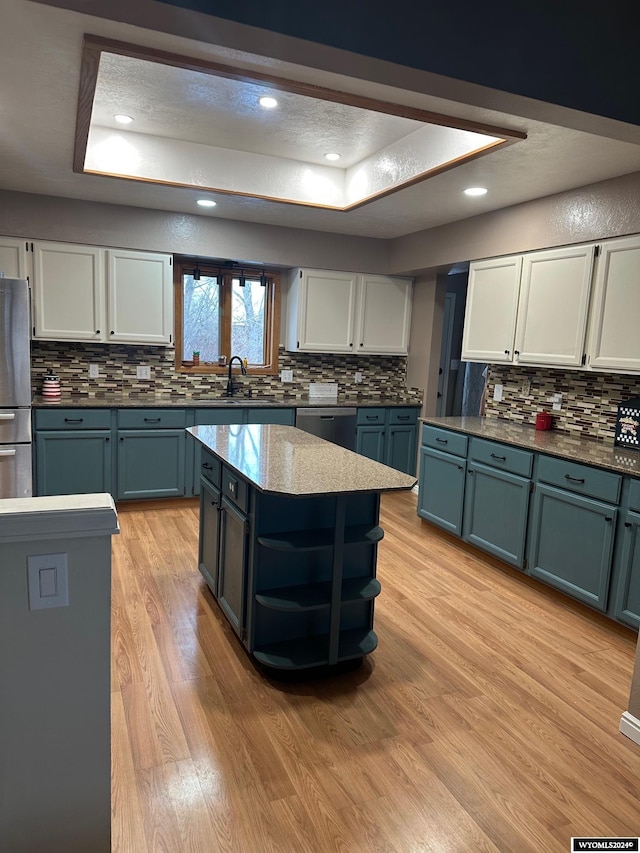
(627, 604)
(287, 417)
(389, 435)
(232, 565)
(151, 463)
(73, 461)
(441, 495)
(370, 442)
(572, 543)
(209, 544)
(496, 509)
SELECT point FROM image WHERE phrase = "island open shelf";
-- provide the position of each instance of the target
(289, 533)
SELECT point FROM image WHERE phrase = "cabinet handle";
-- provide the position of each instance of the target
(73, 420)
(469, 471)
(501, 458)
(516, 352)
(460, 467)
(152, 420)
(628, 524)
(403, 417)
(574, 479)
(371, 417)
(107, 438)
(506, 352)
(207, 466)
(442, 440)
(608, 518)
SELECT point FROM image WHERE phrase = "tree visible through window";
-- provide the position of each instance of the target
(224, 313)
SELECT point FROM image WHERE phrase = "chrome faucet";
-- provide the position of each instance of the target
(243, 369)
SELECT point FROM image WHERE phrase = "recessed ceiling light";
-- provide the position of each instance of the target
(476, 191)
(268, 103)
(123, 119)
(332, 156)
(207, 202)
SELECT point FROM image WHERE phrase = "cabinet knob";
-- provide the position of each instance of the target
(97, 331)
(361, 344)
(506, 352)
(516, 352)
(107, 438)
(121, 438)
(627, 524)
(608, 518)
(351, 344)
(111, 332)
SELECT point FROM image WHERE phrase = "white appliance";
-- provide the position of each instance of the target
(15, 389)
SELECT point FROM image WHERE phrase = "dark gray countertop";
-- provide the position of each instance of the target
(601, 454)
(151, 401)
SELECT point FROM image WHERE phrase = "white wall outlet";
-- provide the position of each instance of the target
(286, 375)
(497, 392)
(94, 371)
(557, 402)
(525, 388)
(143, 371)
(358, 377)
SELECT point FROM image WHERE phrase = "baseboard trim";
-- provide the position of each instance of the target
(630, 726)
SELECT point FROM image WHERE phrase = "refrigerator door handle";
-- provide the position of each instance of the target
(10, 452)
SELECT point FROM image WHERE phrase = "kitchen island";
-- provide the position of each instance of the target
(289, 528)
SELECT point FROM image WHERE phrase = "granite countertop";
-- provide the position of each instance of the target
(116, 400)
(601, 454)
(285, 460)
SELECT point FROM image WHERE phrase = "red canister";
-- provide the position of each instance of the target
(543, 420)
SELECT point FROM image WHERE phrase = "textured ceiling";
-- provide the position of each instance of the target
(40, 60)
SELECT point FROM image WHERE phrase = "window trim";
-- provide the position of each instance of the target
(227, 272)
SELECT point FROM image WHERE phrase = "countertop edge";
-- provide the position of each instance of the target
(586, 451)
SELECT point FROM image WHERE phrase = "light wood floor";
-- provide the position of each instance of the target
(486, 720)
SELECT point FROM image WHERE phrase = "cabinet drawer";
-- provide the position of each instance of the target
(634, 495)
(219, 417)
(371, 417)
(442, 439)
(234, 488)
(210, 467)
(580, 478)
(73, 419)
(403, 416)
(152, 418)
(501, 456)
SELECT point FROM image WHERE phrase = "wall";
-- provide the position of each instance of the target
(634, 696)
(382, 375)
(425, 337)
(589, 405)
(606, 209)
(41, 217)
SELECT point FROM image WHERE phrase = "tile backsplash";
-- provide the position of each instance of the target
(589, 400)
(382, 376)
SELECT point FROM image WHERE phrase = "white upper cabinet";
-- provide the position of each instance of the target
(85, 293)
(492, 308)
(384, 314)
(322, 306)
(68, 289)
(553, 306)
(529, 309)
(13, 258)
(139, 297)
(337, 312)
(614, 341)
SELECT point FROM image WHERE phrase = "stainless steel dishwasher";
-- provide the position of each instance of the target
(336, 424)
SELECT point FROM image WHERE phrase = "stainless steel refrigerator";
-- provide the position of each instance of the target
(15, 389)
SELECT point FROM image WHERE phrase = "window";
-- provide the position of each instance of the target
(224, 311)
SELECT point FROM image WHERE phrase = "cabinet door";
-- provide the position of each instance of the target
(383, 315)
(209, 535)
(572, 543)
(441, 495)
(552, 310)
(212, 417)
(627, 604)
(271, 416)
(614, 343)
(140, 303)
(326, 311)
(68, 292)
(492, 307)
(496, 509)
(73, 462)
(13, 257)
(401, 448)
(370, 442)
(232, 566)
(151, 463)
